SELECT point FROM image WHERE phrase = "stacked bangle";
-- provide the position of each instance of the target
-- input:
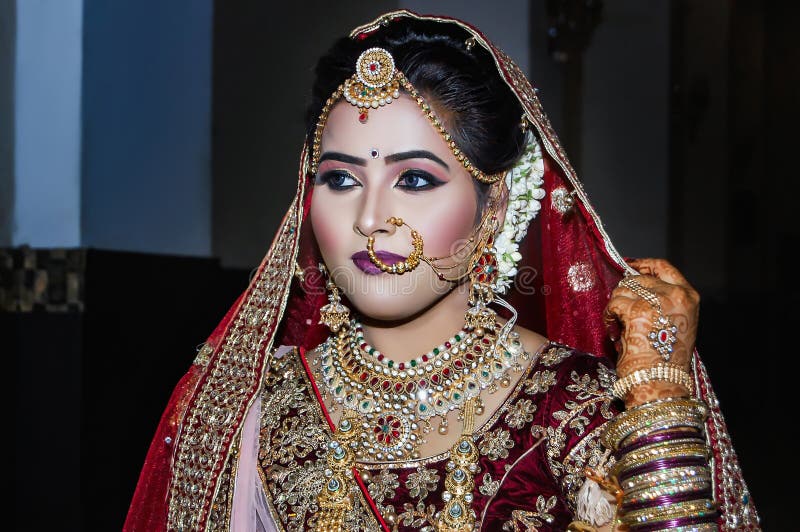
(662, 372)
(662, 465)
(648, 418)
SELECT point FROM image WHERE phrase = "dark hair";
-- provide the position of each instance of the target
(479, 110)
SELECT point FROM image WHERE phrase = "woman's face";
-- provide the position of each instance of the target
(395, 164)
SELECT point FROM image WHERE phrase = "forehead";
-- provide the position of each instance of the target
(399, 126)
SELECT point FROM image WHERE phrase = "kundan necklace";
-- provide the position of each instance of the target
(391, 406)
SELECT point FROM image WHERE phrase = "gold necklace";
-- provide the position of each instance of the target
(393, 408)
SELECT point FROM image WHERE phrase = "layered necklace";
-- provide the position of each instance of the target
(392, 406)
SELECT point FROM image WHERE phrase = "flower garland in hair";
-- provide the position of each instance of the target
(524, 182)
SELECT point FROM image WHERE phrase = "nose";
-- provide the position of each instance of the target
(373, 213)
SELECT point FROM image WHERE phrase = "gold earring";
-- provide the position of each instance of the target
(479, 316)
(333, 315)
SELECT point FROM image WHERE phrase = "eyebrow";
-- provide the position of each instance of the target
(342, 157)
(393, 158)
(415, 154)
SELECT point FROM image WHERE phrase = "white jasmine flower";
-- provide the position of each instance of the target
(524, 183)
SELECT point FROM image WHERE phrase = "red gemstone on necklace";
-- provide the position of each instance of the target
(663, 336)
(424, 358)
(363, 377)
(446, 370)
(448, 345)
(422, 384)
(374, 381)
(386, 385)
(435, 378)
(398, 387)
(477, 349)
(401, 366)
(362, 117)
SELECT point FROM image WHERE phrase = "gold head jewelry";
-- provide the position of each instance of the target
(373, 84)
(377, 83)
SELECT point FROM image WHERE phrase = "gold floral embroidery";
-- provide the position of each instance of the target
(591, 394)
(520, 413)
(421, 482)
(532, 520)
(416, 517)
(383, 486)
(489, 486)
(555, 355)
(293, 444)
(495, 444)
(540, 382)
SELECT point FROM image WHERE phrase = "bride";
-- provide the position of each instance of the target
(442, 336)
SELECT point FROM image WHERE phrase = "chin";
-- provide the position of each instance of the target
(389, 308)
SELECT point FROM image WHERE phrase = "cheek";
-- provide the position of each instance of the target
(452, 223)
(326, 226)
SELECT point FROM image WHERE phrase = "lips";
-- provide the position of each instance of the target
(362, 262)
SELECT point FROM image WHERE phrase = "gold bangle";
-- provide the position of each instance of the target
(673, 476)
(653, 492)
(661, 372)
(695, 508)
(629, 462)
(702, 527)
(654, 415)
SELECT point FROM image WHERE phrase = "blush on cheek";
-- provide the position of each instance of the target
(448, 230)
(326, 233)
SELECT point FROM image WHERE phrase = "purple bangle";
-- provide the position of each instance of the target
(658, 438)
(676, 523)
(669, 499)
(660, 465)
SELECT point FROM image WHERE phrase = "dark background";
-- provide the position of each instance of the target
(94, 368)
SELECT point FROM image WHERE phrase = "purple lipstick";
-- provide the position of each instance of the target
(362, 262)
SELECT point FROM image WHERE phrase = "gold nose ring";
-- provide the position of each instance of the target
(410, 263)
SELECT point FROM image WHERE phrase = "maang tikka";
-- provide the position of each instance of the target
(334, 314)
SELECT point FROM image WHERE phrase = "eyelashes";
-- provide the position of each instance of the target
(412, 180)
(337, 180)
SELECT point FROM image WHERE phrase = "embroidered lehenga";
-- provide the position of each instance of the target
(245, 438)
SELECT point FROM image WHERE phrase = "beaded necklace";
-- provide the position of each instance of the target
(392, 406)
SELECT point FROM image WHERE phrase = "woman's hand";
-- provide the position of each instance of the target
(679, 302)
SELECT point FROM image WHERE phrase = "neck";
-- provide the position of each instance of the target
(404, 340)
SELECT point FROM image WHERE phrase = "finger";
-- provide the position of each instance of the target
(618, 307)
(661, 269)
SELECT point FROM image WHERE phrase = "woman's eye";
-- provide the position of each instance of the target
(338, 180)
(418, 180)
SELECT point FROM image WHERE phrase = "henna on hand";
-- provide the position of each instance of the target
(679, 300)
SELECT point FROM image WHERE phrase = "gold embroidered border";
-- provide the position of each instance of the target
(231, 379)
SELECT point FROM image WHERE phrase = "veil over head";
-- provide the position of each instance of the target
(567, 273)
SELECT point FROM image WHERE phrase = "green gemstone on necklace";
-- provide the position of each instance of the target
(435, 350)
(390, 363)
(458, 337)
(413, 363)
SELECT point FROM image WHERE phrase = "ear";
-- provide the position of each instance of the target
(501, 193)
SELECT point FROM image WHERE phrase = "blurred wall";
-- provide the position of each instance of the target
(8, 37)
(147, 126)
(47, 123)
